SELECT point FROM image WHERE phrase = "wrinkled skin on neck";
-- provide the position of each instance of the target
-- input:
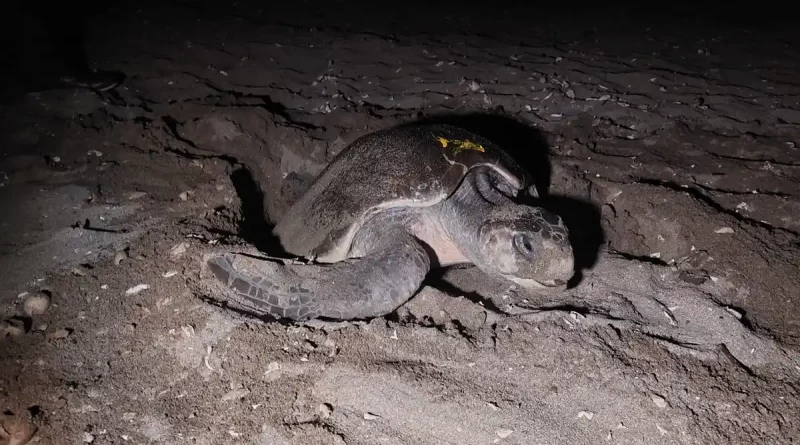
(524, 244)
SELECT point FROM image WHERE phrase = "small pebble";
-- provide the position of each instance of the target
(325, 410)
(59, 334)
(119, 257)
(36, 305)
(235, 394)
(88, 438)
(659, 401)
(330, 345)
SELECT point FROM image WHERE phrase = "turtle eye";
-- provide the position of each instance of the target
(524, 245)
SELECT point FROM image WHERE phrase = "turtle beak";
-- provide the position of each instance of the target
(547, 286)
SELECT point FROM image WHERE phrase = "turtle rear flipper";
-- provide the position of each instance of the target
(370, 286)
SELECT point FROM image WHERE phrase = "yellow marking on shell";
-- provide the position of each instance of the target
(460, 145)
(468, 145)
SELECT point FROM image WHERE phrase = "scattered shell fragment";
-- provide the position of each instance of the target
(179, 249)
(170, 273)
(207, 357)
(504, 433)
(734, 312)
(88, 438)
(188, 331)
(587, 414)
(235, 394)
(136, 289)
(659, 401)
(369, 416)
(184, 195)
(36, 305)
(136, 195)
(724, 230)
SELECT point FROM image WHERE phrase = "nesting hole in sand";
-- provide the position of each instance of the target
(254, 227)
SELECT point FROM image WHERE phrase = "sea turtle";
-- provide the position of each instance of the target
(388, 208)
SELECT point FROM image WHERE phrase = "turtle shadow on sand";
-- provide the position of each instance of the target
(529, 147)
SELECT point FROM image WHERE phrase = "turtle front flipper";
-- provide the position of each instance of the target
(367, 287)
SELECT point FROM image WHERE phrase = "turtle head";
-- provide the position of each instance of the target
(526, 245)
